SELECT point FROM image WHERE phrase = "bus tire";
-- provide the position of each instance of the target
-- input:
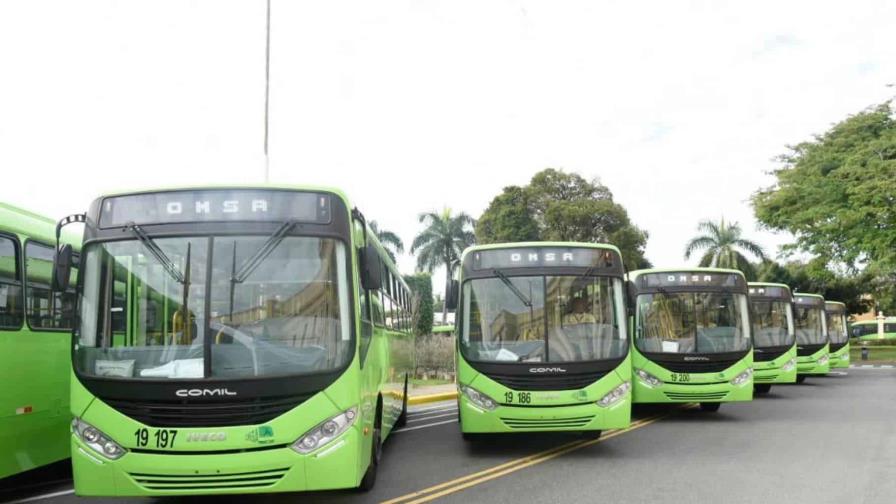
(376, 451)
(711, 407)
(403, 417)
(591, 434)
(762, 388)
(800, 378)
(470, 437)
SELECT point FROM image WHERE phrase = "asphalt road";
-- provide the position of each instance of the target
(828, 440)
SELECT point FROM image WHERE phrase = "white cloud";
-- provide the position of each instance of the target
(411, 105)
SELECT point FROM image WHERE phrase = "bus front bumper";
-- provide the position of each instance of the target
(780, 370)
(703, 392)
(579, 417)
(278, 469)
(815, 364)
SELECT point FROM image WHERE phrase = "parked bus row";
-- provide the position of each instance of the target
(258, 339)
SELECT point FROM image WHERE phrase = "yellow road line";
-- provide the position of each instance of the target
(476, 478)
(422, 399)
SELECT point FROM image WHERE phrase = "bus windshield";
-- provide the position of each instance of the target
(543, 319)
(693, 322)
(184, 311)
(809, 322)
(836, 322)
(772, 323)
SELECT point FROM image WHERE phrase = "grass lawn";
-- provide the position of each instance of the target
(875, 354)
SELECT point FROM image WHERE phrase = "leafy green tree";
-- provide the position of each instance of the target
(391, 242)
(441, 243)
(559, 206)
(724, 246)
(422, 306)
(508, 218)
(837, 195)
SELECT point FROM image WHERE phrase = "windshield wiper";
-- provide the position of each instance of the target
(262, 253)
(158, 253)
(512, 288)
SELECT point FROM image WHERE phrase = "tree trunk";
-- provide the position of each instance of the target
(447, 290)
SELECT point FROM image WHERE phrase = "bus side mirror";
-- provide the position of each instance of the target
(451, 298)
(62, 268)
(371, 268)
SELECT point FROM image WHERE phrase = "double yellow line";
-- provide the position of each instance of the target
(464, 482)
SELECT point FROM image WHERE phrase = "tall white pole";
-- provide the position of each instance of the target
(267, 91)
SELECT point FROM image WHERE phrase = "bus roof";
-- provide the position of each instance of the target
(768, 284)
(807, 294)
(25, 222)
(498, 246)
(834, 302)
(269, 186)
(887, 320)
(636, 273)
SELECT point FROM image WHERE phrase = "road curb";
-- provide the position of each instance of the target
(423, 399)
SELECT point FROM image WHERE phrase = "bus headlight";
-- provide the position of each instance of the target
(478, 398)
(615, 395)
(326, 431)
(648, 379)
(742, 378)
(94, 438)
(789, 365)
(822, 360)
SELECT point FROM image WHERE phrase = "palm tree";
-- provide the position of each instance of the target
(391, 242)
(441, 244)
(723, 243)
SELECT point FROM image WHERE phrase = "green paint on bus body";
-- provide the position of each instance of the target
(34, 358)
(539, 408)
(654, 383)
(781, 369)
(260, 457)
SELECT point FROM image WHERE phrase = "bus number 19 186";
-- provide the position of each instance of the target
(521, 397)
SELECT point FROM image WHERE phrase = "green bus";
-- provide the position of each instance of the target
(812, 347)
(838, 334)
(692, 336)
(35, 331)
(541, 341)
(234, 340)
(774, 338)
(867, 330)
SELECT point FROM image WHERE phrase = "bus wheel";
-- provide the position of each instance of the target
(403, 417)
(710, 406)
(369, 479)
(800, 378)
(591, 434)
(762, 388)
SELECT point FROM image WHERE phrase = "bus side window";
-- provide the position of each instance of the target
(10, 285)
(41, 309)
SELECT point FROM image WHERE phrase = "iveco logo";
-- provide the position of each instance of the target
(206, 436)
(203, 392)
(696, 358)
(547, 370)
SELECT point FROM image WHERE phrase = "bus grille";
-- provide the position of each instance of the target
(715, 366)
(567, 381)
(696, 396)
(224, 481)
(217, 414)
(552, 423)
(764, 378)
